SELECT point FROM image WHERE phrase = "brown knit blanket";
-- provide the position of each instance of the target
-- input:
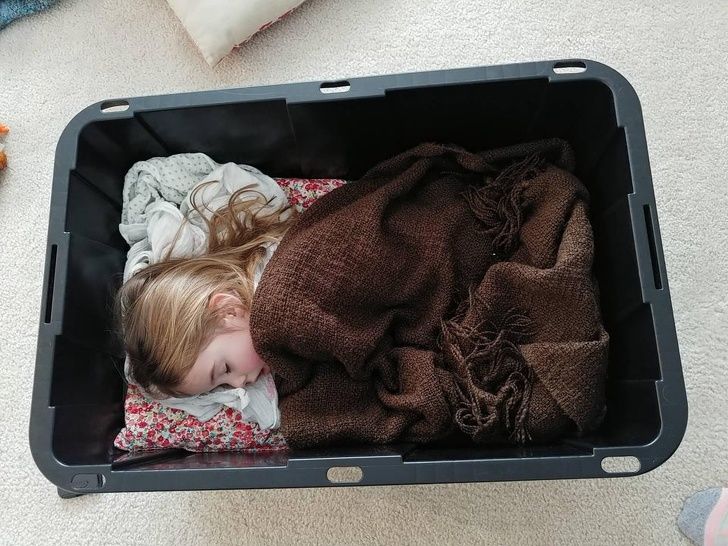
(445, 290)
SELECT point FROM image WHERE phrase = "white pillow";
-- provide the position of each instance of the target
(217, 26)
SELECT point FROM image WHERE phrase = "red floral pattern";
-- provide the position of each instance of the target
(150, 425)
(302, 192)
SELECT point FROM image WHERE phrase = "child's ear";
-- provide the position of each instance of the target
(229, 302)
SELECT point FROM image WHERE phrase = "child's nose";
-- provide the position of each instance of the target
(238, 382)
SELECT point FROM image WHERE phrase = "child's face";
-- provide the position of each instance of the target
(229, 359)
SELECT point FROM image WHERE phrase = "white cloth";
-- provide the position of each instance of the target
(153, 191)
(151, 220)
(257, 402)
(217, 26)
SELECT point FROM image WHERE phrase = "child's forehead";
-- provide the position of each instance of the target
(220, 340)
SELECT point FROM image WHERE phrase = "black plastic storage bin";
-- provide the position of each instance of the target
(340, 129)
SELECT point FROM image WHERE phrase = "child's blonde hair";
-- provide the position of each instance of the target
(164, 310)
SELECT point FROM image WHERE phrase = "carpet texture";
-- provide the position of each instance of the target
(55, 63)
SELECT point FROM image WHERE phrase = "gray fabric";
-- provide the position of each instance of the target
(158, 218)
(161, 179)
(258, 402)
(695, 512)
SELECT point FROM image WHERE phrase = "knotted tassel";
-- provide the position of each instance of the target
(498, 204)
(492, 379)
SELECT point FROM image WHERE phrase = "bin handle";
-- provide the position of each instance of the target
(51, 284)
(652, 246)
(340, 86)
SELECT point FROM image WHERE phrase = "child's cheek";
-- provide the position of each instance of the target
(250, 357)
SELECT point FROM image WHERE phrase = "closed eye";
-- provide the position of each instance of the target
(227, 368)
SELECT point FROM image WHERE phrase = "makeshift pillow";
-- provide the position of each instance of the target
(217, 26)
(150, 425)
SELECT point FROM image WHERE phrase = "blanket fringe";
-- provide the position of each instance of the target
(497, 204)
(492, 379)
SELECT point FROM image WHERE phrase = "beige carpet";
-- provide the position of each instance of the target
(56, 63)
